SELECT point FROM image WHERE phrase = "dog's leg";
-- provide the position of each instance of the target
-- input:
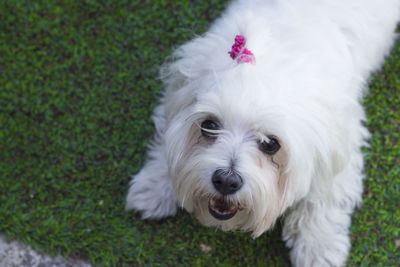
(151, 190)
(317, 228)
(318, 235)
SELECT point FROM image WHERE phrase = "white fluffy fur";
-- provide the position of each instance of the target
(313, 60)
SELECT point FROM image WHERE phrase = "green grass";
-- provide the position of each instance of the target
(77, 87)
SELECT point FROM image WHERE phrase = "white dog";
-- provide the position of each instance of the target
(274, 127)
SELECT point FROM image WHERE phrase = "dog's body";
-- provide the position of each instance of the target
(240, 144)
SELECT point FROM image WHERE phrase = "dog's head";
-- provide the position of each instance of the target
(240, 151)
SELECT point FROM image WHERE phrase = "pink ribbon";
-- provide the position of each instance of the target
(240, 52)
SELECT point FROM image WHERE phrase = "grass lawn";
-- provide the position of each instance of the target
(77, 87)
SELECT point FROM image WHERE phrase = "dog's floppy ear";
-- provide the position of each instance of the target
(317, 153)
(186, 63)
(202, 56)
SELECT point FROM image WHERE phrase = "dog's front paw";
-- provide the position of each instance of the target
(320, 239)
(152, 196)
(311, 253)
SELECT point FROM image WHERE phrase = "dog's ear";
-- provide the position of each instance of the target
(185, 64)
(316, 156)
(202, 56)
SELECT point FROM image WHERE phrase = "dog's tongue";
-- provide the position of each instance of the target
(221, 209)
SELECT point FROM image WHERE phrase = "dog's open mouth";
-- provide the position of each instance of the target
(221, 209)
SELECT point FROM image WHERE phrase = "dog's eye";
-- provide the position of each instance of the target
(270, 147)
(208, 128)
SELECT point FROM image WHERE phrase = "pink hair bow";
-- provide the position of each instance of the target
(240, 52)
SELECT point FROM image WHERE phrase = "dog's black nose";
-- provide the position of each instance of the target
(226, 181)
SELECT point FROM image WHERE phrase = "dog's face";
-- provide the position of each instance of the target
(243, 146)
(229, 153)
(233, 175)
(232, 171)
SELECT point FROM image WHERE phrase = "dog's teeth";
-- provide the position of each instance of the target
(212, 202)
(222, 207)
